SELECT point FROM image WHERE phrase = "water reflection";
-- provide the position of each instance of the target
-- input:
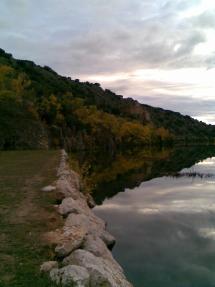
(106, 175)
(165, 227)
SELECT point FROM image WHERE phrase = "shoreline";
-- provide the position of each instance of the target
(83, 244)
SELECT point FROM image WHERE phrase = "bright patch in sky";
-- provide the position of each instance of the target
(199, 7)
(208, 47)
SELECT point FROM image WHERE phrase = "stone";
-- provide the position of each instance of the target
(68, 205)
(48, 266)
(96, 246)
(102, 272)
(90, 222)
(55, 276)
(72, 239)
(108, 239)
(49, 188)
(82, 243)
(71, 275)
(90, 201)
(68, 191)
(65, 240)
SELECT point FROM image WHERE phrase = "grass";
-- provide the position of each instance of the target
(25, 214)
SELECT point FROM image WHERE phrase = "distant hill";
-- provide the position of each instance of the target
(41, 109)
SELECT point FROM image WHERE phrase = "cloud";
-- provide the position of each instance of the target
(205, 20)
(112, 36)
(81, 38)
(187, 98)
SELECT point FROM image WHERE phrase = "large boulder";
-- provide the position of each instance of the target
(89, 222)
(71, 240)
(96, 246)
(65, 240)
(68, 205)
(92, 225)
(103, 272)
(71, 205)
(68, 190)
(71, 276)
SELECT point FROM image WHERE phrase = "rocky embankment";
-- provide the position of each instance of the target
(83, 244)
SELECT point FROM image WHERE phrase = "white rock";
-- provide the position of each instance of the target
(102, 271)
(90, 222)
(71, 275)
(47, 266)
(49, 188)
(108, 239)
(96, 246)
(93, 265)
(68, 205)
(72, 238)
(55, 276)
(68, 191)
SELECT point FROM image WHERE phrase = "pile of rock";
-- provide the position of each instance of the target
(83, 244)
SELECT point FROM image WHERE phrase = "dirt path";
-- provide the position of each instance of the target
(25, 213)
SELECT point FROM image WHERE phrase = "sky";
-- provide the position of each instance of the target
(160, 52)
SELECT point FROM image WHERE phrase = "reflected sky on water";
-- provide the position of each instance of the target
(165, 228)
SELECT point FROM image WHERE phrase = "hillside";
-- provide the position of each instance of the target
(41, 109)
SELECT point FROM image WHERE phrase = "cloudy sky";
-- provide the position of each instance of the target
(161, 52)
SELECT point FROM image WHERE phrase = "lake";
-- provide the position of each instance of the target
(161, 209)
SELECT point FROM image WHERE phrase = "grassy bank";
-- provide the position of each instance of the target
(25, 214)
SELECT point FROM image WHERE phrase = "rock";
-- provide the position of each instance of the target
(68, 205)
(90, 222)
(90, 201)
(68, 190)
(47, 266)
(102, 272)
(108, 239)
(55, 275)
(71, 275)
(92, 225)
(96, 246)
(72, 238)
(65, 240)
(82, 241)
(49, 188)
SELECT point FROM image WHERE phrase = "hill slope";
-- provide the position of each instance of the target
(41, 109)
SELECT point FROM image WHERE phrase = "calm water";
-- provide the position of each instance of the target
(164, 221)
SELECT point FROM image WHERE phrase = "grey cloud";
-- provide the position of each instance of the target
(145, 93)
(205, 20)
(98, 36)
(85, 37)
(124, 50)
(186, 105)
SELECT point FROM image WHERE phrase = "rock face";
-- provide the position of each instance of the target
(83, 243)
